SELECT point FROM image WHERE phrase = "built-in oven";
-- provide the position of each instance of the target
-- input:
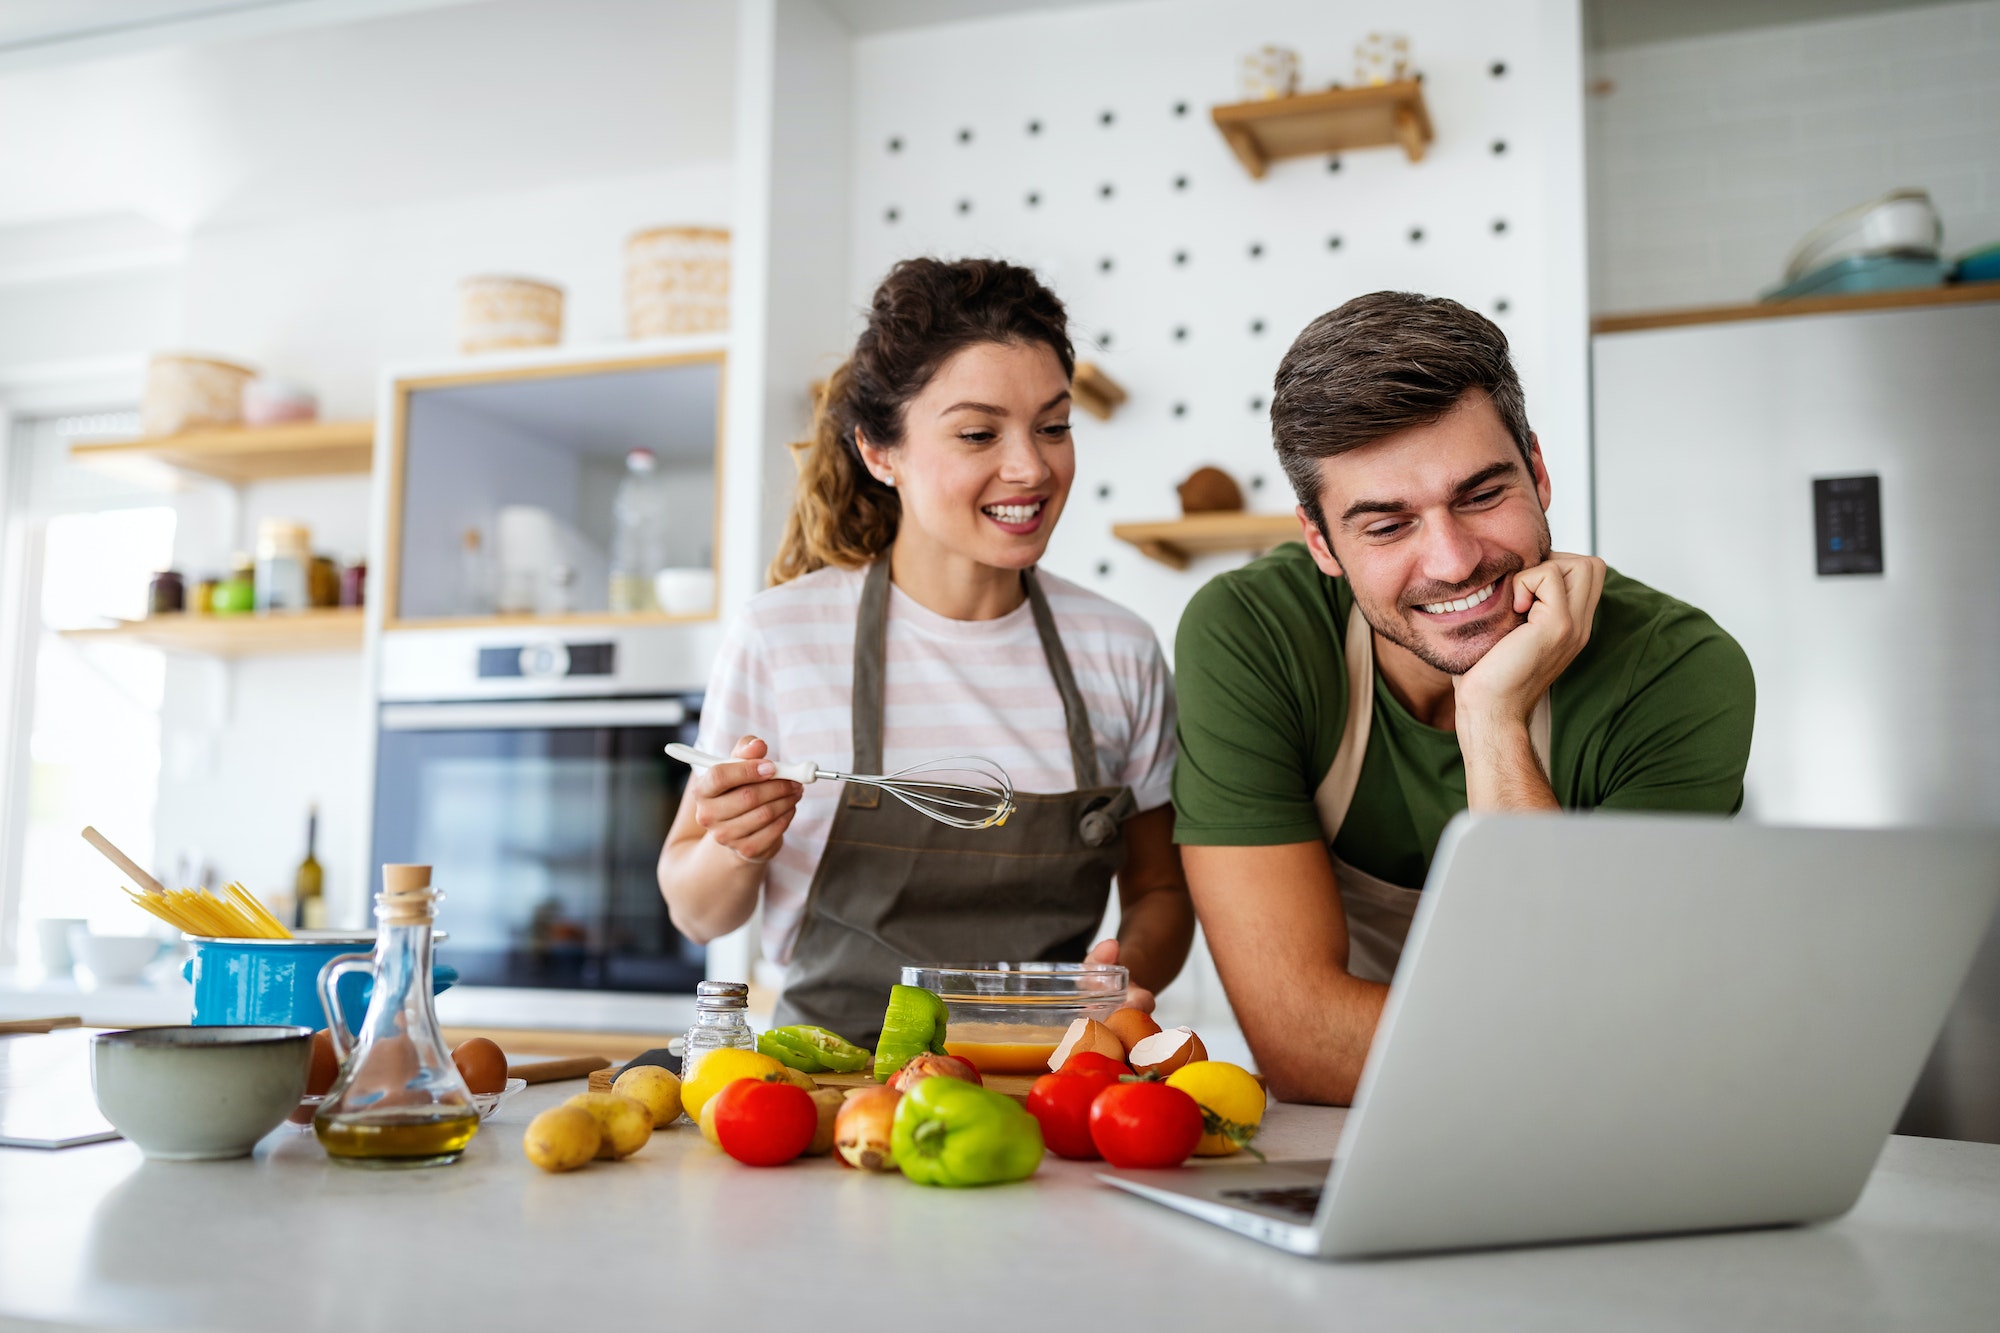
(536, 786)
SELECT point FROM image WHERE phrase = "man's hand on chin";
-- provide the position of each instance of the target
(1560, 599)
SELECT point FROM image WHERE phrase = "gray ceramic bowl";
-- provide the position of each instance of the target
(187, 1094)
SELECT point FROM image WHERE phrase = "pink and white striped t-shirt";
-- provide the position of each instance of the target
(786, 673)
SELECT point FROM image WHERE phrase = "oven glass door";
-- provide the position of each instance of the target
(543, 822)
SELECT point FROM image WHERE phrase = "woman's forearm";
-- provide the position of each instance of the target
(1154, 935)
(709, 889)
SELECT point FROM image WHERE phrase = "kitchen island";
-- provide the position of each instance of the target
(679, 1236)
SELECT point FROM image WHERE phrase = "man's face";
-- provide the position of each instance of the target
(1430, 525)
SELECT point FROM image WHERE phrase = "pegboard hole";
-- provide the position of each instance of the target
(1104, 491)
(1104, 569)
(1180, 108)
(964, 206)
(1333, 164)
(1499, 226)
(1180, 333)
(1106, 190)
(1256, 327)
(1034, 127)
(1104, 340)
(1107, 118)
(1257, 482)
(1501, 306)
(1104, 264)
(1256, 249)
(1416, 236)
(1498, 69)
(1180, 409)
(1256, 404)
(1333, 242)
(1499, 148)
(896, 145)
(965, 136)
(1180, 182)
(1034, 199)
(1180, 256)
(890, 215)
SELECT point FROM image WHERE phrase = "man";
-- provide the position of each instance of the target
(1424, 652)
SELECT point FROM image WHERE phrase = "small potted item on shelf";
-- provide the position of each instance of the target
(237, 594)
(685, 590)
(323, 582)
(1382, 57)
(269, 402)
(496, 312)
(354, 583)
(1210, 490)
(1270, 72)
(167, 594)
(283, 554)
(184, 391)
(202, 600)
(677, 281)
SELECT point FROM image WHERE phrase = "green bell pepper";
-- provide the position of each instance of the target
(812, 1050)
(948, 1132)
(914, 1024)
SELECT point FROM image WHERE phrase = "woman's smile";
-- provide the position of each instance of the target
(1018, 517)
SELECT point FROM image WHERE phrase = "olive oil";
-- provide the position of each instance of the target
(397, 1138)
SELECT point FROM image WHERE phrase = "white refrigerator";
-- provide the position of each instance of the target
(1828, 488)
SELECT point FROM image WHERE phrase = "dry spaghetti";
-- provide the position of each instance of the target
(232, 914)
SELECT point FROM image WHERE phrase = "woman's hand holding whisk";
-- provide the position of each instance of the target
(743, 805)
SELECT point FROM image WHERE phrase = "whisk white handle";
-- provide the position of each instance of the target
(803, 771)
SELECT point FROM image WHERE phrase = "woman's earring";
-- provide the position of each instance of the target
(888, 481)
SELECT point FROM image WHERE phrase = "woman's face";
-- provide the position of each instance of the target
(986, 460)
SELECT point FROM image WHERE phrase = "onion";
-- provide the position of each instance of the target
(933, 1066)
(861, 1128)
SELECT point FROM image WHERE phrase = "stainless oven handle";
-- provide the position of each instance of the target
(534, 715)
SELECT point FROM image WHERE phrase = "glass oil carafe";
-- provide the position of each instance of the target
(399, 1100)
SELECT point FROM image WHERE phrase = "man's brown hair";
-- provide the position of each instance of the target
(1379, 364)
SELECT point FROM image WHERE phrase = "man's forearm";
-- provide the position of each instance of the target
(1314, 1051)
(1501, 771)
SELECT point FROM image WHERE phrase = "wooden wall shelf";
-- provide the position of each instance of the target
(1335, 121)
(528, 621)
(1909, 299)
(325, 631)
(1176, 542)
(1096, 392)
(238, 455)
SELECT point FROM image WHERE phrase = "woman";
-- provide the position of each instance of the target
(908, 622)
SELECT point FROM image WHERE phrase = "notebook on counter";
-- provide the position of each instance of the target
(45, 1096)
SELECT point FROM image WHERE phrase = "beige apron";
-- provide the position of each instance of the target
(1378, 912)
(896, 888)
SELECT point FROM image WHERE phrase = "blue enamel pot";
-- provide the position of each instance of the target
(277, 981)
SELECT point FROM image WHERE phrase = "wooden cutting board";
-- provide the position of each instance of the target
(1013, 1085)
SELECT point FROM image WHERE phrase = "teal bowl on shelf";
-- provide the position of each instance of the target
(277, 981)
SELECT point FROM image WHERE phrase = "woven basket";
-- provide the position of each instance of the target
(496, 312)
(185, 391)
(677, 281)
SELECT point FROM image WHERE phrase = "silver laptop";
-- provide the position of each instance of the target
(1614, 1025)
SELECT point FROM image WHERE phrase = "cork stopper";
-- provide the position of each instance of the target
(407, 898)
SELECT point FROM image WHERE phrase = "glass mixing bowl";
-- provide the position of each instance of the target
(1008, 1018)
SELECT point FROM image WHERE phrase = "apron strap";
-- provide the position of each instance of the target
(871, 628)
(1336, 790)
(1082, 749)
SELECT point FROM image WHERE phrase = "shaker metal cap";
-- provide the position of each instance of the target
(722, 995)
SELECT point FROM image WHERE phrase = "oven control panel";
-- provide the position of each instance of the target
(549, 659)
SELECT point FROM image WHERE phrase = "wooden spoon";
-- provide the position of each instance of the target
(122, 861)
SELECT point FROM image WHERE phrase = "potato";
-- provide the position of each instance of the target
(624, 1122)
(659, 1089)
(562, 1138)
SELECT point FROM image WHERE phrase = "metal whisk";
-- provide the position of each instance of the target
(963, 791)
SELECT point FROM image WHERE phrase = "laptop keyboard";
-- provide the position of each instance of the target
(1301, 1201)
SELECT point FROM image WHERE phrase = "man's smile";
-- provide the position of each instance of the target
(1458, 605)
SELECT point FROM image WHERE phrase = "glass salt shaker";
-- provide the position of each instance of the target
(399, 1100)
(721, 1021)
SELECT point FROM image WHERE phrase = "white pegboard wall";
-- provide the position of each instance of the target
(1079, 142)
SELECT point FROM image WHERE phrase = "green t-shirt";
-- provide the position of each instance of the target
(1654, 714)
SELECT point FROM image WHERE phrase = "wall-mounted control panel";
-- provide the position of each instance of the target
(1847, 524)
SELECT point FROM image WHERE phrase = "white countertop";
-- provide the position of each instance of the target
(680, 1236)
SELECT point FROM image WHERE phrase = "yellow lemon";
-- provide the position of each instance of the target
(1231, 1101)
(659, 1089)
(717, 1070)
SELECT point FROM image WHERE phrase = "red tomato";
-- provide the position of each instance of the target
(1094, 1062)
(1145, 1124)
(764, 1124)
(1061, 1102)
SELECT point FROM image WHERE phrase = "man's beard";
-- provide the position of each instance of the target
(1398, 624)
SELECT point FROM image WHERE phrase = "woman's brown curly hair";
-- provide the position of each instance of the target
(925, 312)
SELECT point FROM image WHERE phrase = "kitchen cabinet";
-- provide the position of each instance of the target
(551, 435)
